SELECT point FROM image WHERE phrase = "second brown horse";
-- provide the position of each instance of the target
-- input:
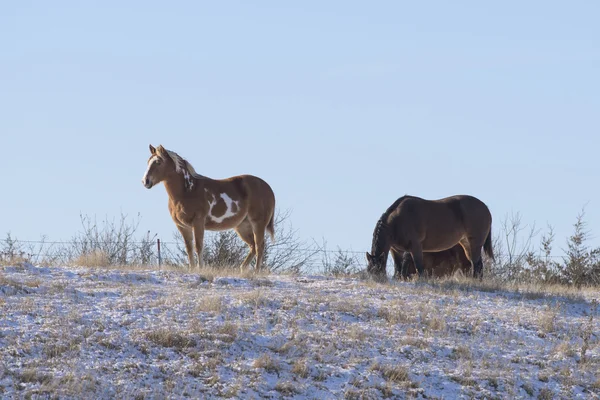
(415, 225)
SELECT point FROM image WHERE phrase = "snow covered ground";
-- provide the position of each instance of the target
(95, 333)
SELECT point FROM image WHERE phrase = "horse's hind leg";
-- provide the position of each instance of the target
(244, 231)
(259, 242)
(473, 253)
(477, 261)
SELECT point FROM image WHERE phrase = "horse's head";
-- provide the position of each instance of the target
(376, 265)
(159, 164)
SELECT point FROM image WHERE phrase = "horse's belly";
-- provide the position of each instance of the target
(440, 242)
(221, 224)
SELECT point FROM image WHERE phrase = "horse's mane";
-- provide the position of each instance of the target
(182, 165)
(381, 226)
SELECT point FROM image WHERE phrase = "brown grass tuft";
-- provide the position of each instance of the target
(168, 338)
(255, 298)
(286, 388)
(301, 368)
(545, 394)
(392, 373)
(267, 363)
(95, 258)
(211, 304)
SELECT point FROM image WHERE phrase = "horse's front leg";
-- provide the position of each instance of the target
(199, 240)
(399, 267)
(417, 256)
(188, 236)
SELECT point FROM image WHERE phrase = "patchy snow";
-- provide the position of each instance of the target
(80, 332)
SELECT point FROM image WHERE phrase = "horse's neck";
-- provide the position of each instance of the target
(381, 239)
(175, 185)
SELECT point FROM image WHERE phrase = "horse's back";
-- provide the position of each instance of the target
(473, 210)
(445, 217)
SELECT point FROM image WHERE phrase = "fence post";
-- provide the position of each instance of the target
(159, 257)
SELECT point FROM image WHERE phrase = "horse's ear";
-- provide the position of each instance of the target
(161, 149)
(369, 257)
(152, 150)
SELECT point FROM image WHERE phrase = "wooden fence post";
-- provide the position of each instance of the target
(159, 257)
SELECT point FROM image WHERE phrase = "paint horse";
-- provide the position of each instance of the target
(244, 203)
(435, 264)
(415, 225)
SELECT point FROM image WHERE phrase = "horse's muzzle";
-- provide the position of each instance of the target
(147, 183)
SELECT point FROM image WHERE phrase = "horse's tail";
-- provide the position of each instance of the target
(487, 246)
(271, 227)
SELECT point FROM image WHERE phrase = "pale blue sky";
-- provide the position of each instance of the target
(342, 106)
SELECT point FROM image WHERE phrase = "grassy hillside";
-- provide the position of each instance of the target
(143, 333)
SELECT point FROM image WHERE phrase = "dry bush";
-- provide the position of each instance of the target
(516, 261)
(343, 263)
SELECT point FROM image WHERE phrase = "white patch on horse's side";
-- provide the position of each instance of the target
(150, 162)
(228, 213)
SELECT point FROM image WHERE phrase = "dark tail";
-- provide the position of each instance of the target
(271, 227)
(487, 246)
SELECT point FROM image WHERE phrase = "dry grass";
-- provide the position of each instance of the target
(529, 291)
(32, 375)
(18, 286)
(314, 335)
(228, 332)
(545, 394)
(394, 314)
(355, 332)
(13, 261)
(93, 259)
(287, 388)
(392, 373)
(267, 363)
(547, 321)
(255, 298)
(462, 353)
(414, 341)
(210, 304)
(300, 368)
(170, 338)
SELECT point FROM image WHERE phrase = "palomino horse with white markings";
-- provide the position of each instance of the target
(415, 225)
(244, 203)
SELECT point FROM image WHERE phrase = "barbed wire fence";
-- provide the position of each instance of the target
(117, 244)
(158, 253)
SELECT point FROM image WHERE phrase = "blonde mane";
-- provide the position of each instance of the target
(182, 165)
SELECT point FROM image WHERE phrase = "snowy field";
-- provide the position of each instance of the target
(146, 334)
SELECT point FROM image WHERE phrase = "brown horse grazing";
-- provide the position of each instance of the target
(437, 264)
(244, 203)
(415, 225)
